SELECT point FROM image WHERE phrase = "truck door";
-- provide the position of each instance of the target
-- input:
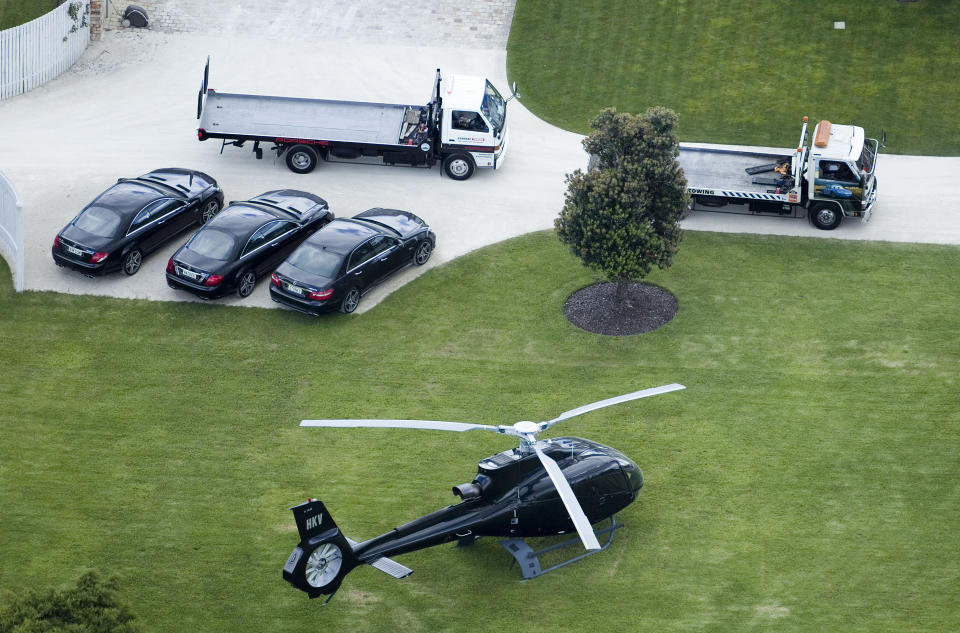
(470, 131)
(837, 180)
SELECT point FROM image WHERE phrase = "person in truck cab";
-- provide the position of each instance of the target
(470, 121)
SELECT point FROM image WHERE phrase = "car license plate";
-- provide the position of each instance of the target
(189, 274)
(72, 250)
(293, 289)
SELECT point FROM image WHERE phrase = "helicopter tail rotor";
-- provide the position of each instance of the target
(324, 555)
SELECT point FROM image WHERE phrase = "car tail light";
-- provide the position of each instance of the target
(213, 280)
(274, 279)
(322, 294)
(170, 265)
(96, 258)
(56, 242)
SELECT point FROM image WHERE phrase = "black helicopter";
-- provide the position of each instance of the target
(540, 488)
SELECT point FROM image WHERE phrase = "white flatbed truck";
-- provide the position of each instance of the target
(829, 180)
(463, 127)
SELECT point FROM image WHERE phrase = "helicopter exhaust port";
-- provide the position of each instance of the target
(467, 491)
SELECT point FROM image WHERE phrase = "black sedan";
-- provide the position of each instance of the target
(341, 262)
(134, 217)
(244, 242)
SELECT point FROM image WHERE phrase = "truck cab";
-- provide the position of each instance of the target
(472, 126)
(840, 174)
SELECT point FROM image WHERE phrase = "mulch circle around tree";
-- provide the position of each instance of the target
(595, 309)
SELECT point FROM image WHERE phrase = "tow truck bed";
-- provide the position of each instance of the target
(264, 117)
(726, 170)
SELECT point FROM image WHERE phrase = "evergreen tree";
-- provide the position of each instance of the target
(622, 216)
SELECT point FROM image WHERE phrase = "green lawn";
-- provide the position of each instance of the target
(747, 72)
(806, 479)
(17, 12)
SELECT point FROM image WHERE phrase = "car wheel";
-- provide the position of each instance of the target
(246, 284)
(825, 216)
(458, 166)
(132, 261)
(301, 159)
(350, 301)
(423, 253)
(210, 209)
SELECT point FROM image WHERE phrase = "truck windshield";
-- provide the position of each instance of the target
(494, 108)
(867, 157)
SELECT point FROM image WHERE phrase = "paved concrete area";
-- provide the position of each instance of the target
(138, 93)
(129, 106)
(474, 24)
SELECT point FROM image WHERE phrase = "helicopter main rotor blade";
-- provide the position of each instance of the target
(627, 397)
(431, 425)
(580, 521)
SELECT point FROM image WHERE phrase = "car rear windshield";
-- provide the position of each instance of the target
(99, 221)
(213, 244)
(316, 260)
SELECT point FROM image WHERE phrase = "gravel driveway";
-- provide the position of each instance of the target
(129, 106)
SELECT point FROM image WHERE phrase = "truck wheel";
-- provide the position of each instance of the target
(710, 201)
(301, 159)
(458, 166)
(825, 216)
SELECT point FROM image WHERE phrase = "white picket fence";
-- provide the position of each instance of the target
(33, 53)
(11, 230)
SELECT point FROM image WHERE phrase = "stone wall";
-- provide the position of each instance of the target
(96, 19)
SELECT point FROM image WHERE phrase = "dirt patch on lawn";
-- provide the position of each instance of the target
(596, 309)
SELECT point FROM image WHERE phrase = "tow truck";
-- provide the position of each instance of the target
(828, 181)
(464, 126)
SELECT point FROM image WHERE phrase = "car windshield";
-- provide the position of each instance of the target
(316, 260)
(99, 221)
(213, 244)
(494, 107)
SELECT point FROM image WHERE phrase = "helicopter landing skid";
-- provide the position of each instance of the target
(529, 558)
